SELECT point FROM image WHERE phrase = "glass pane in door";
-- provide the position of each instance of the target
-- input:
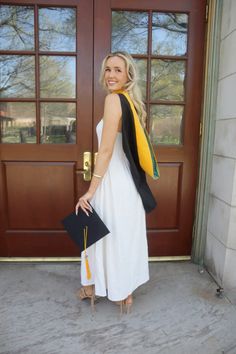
(167, 79)
(166, 122)
(142, 75)
(57, 29)
(16, 27)
(57, 76)
(58, 123)
(17, 76)
(130, 31)
(169, 33)
(18, 122)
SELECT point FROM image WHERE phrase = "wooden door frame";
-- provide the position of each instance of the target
(206, 146)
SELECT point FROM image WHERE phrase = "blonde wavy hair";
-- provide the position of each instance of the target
(131, 86)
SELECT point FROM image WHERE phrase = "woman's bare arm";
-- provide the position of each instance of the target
(111, 119)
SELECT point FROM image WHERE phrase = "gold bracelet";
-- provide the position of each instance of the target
(98, 176)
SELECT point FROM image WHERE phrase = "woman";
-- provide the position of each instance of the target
(119, 261)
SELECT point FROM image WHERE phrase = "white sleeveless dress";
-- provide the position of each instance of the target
(119, 261)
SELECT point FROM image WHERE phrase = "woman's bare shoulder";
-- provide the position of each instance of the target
(112, 103)
(112, 98)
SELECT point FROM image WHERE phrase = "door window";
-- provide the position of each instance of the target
(38, 79)
(158, 43)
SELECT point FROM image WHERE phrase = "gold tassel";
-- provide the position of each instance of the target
(88, 272)
(87, 268)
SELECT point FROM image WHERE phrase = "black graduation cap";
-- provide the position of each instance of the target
(83, 229)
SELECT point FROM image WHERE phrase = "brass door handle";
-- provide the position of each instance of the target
(87, 166)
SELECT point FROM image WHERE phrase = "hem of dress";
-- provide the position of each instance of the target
(123, 297)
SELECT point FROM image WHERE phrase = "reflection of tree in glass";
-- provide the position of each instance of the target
(18, 122)
(59, 110)
(166, 124)
(57, 76)
(141, 65)
(167, 79)
(18, 71)
(169, 31)
(58, 122)
(172, 22)
(17, 27)
(17, 76)
(57, 29)
(129, 31)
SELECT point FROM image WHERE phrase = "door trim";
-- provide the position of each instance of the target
(208, 129)
(78, 259)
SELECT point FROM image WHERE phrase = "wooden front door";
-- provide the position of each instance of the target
(51, 101)
(166, 38)
(46, 122)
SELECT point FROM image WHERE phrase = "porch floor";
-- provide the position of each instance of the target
(176, 312)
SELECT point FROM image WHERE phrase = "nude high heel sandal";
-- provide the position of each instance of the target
(84, 293)
(125, 305)
(128, 302)
(121, 305)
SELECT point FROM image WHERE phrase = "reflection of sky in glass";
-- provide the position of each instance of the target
(57, 29)
(57, 76)
(130, 31)
(17, 27)
(169, 34)
(17, 74)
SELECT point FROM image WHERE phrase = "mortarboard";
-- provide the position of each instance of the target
(85, 230)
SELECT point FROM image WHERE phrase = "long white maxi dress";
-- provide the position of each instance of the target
(119, 261)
